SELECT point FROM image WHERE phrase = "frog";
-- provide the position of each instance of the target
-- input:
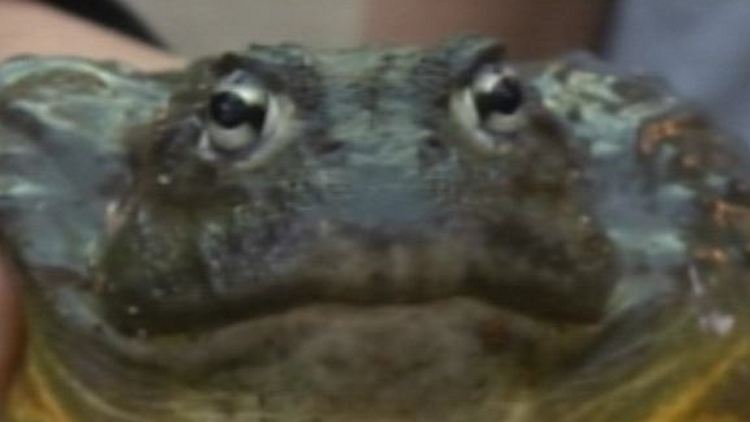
(374, 234)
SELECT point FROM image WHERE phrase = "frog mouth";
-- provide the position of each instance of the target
(389, 306)
(549, 283)
(563, 278)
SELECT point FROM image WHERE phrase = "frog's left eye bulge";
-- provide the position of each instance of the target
(230, 110)
(490, 107)
(245, 121)
(237, 118)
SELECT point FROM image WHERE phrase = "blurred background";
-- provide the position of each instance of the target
(701, 47)
(194, 27)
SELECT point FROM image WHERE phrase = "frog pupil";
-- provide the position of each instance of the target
(229, 110)
(505, 97)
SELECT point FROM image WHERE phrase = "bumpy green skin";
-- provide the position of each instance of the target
(374, 266)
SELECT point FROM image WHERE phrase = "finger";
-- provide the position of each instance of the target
(10, 324)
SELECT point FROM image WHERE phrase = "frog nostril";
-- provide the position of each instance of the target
(327, 147)
(434, 143)
(432, 150)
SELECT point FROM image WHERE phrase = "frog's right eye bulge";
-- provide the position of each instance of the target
(490, 107)
(497, 94)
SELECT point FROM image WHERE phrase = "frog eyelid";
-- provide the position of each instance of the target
(464, 55)
(490, 56)
(236, 68)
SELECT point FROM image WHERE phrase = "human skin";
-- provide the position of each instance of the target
(10, 324)
(64, 34)
(531, 29)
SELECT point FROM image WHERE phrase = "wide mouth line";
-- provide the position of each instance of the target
(540, 297)
(345, 275)
(549, 271)
(245, 339)
(561, 289)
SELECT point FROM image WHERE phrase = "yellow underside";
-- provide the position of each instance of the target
(31, 399)
(685, 405)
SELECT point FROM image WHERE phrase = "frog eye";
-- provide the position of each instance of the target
(489, 108)
(237, 118)
(245, 122)
(497, 93)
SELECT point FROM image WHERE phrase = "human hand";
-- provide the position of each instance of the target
(30, 27)
(10, 326)
(60, 33)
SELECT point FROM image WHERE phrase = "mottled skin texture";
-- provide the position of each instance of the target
(370, 255)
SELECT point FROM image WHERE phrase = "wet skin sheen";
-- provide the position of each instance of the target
(280, 234)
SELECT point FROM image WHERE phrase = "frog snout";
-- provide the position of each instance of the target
(381, 199)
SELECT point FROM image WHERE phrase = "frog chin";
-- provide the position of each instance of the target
(450, 352)
(453, 356)
(387, 321)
